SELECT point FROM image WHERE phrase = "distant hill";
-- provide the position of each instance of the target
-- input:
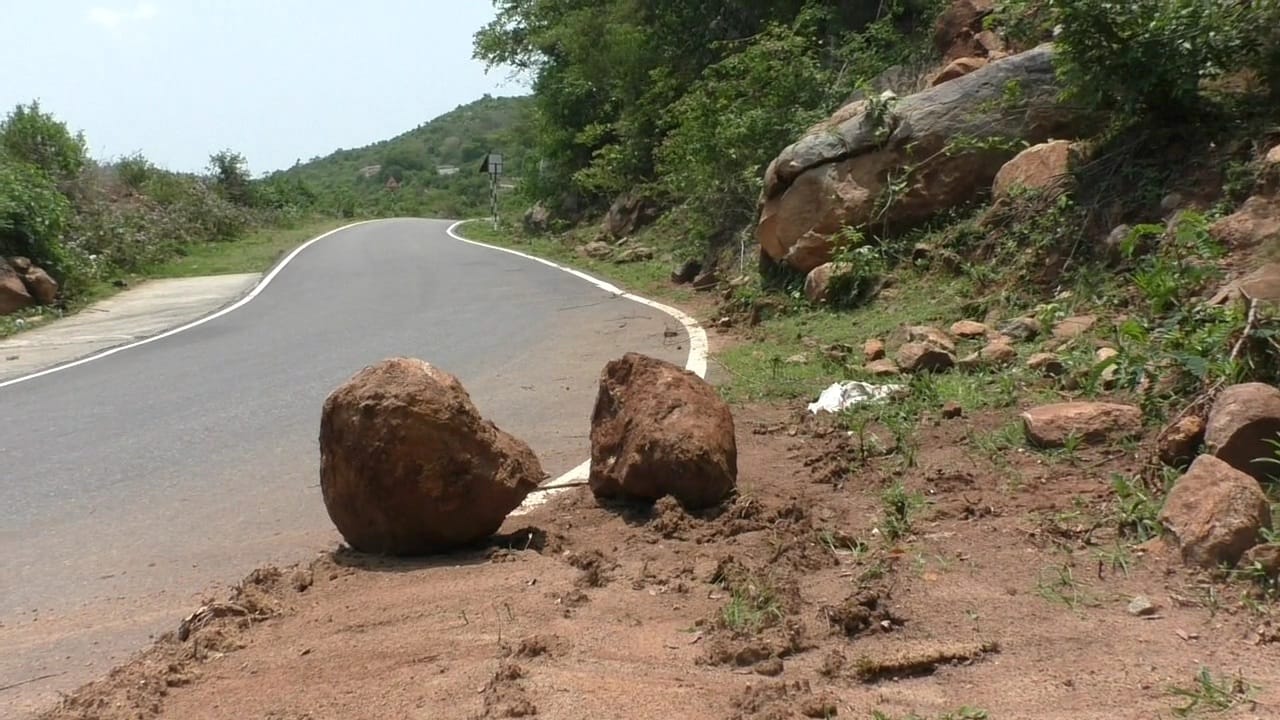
(430, 170)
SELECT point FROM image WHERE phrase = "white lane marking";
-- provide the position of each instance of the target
(262, 285)
(697, 362)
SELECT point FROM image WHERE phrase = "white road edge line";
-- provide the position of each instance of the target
(696, 363)
(262, 285)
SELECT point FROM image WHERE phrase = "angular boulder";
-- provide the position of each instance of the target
(628, 213)
(13, 292)
(1257, 221)
(1215, 513)
(1050, 426)
(408, 466)
(537, 219)
(1045, 167)
(41, 285)
(883, 367)
(817, 283)
(958, 68)
(837, 174)
(1073, 327)
(659, 430)
(1023, 328)
(873, 349)
(956, 31)
(1179, 442)
(918, 357)
(1242, 422)
(969, 329)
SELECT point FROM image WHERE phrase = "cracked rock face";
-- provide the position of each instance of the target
(889, 164)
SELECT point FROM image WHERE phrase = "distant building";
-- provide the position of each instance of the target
(369, 171)
(446, 169)
(392, 184)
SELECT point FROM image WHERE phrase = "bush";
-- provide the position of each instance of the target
(33, 214)
(37, 138)
(1135, 58)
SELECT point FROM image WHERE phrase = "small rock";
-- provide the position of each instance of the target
(1242, 421)
(969, 329)
(1045, 167)
(873, 349)
(1024, 328)
(998, 352)
(639, 253)
(706, 280)
(302, 579)
(798, 359)
(1049, 426)
(951, 411)
(817, 284)
(772, 667)
(1114, 243)
(596, 250)
(958, 68)
(1106, 360)
(930, 336)
(1215, 513)
(1179, 442)
(1171, 202)
(883, 367)
(1046, 364)
(685, 272)
(915, 357)
(1265, 557)
(1074, 327)
(1141, 606)
(1256, 223)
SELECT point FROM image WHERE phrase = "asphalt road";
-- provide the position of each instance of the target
(133, 486)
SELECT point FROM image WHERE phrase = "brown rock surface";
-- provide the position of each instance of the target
(1049, 426)
(658, 430)
(1243, 420)
(408, 466)
(1215, 513)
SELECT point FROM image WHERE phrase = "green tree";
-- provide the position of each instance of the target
(37, 138)
(33, 214)
(230, 173)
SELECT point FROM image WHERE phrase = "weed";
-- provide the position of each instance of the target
(752, 607)
(900, 506)
(1058, 584)
(1137, 512)
(1208, 694)
(964, 713)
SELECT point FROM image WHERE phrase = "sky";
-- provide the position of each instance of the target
(276, 80)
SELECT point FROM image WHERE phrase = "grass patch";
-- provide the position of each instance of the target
(256, 252)
(1209, 694)
(752, 607)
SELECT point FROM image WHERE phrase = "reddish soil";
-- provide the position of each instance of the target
(589, 611)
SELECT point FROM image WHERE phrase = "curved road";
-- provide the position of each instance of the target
(136, 484)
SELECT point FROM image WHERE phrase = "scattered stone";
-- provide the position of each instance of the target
(817, 283)
(1050, 426)
(916, 357)
(1074, 327)
(13, 292)
(41, 285)
(629, 212)
(596, 250)
(685, 272)
(1044, 167)
(1256, 222)
(537, 219)
(1215, 513)
(660, 430)
(951, 411)
(958, 68)
(1114, 242)
(931, 336)
(997, 352)
(1241, 422)
(1265, 558)
(1106, 357)
(1141, 606)
(873, 349)
(798, 359)
(639, 253)
(1023, 328)
(1180, 441)
(1046, 364)
(772, 667)
(706, 280)
(1262, 284)
(884, 367)
(408, 466)
(969, 329)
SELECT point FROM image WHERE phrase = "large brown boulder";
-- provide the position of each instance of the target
(817, 284)
(628, 213)
(956, 31)
(1257, 221)
(1045, 167)
(658, 430)
(13, 293)
(41, 285)
(1215, 513)
(1244, 421)
(408, 466)
(1050, 426)
(838, 174)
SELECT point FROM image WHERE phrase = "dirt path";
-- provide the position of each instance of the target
(1001, 595)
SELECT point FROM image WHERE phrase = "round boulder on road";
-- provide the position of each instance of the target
(408, 466)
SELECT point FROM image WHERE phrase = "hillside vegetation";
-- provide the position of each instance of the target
(354, 182)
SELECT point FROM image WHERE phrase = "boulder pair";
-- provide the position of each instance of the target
(408, 466)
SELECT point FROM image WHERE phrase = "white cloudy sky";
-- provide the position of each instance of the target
(278, 80)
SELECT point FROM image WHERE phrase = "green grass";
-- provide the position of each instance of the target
(1209, 694)
(256, 252)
